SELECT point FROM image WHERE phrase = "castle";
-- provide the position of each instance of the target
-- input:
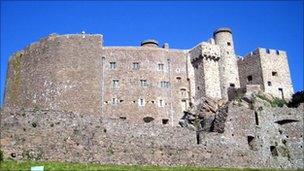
(69, 98)
(77, 72)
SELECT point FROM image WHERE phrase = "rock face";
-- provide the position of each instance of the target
(259, 137)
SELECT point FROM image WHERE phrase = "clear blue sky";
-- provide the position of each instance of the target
(275, 24)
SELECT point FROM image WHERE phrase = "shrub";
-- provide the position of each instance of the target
(297, 98)
(1, 155)
(276, 102)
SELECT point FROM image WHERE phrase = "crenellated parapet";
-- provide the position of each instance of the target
(205, 50)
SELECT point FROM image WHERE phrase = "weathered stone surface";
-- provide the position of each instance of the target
(270, 140)
(77, 72)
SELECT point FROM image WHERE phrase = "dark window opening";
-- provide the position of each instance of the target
(179, 79)
(152, 101)
(274, 73)
(250, 142)
(250, 139)
(198, 88)
(198, 137)
(122, 118)
(274, 151)
(277, 52)
(286, 121)
(282, 93)
(148, 119)
(232, 85)
(165, 121)
(228, 43)
(269, 83)
(249, 78)
(268, 51)
(256, 118)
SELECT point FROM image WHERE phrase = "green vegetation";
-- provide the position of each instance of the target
(276, 102)
(26, 165)
(297, 98)
(1, 155)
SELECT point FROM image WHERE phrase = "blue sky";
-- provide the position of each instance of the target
(273, 24)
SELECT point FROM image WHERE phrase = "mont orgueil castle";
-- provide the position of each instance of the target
(70, 98)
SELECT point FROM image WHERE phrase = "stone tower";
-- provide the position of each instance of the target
(229, 76)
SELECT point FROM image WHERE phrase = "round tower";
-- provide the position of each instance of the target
(228, 68)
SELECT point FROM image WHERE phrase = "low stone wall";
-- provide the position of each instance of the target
(66, 136)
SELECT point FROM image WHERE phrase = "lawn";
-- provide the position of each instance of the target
(26, 165)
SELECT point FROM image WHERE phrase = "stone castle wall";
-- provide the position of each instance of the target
(275, 70)
(250, 70)
(165, 91)
(229, 76)
(204, 58)
(58, 72)
(265, 137)
(75, 71)
(268, 68)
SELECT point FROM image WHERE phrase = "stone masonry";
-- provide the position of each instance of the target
(77, 72)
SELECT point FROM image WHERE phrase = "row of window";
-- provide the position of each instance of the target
(273, 73)
(148, 119)
(140, 102)
(136, 66)
(143, 83)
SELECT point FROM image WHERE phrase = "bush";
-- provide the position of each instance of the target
(1, 155)
(297, 98)
(276, 102)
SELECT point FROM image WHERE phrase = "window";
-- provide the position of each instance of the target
(249, 78)
(232, 85)
(160, 67)
(227, 52)
(148, 119)
(274, 73)
(179, 79)
(143, 83)
(256, 118)
(114, 101)
(269, 83)
(112, 65)
(183, 92)
(228, 43)
(164, 84)
(268, 51)
(277, 52)
(165, 121)
(141, 102)
(115, 83)
(161, 103)
(136, 66)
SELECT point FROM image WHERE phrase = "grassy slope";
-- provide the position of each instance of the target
(25, 165)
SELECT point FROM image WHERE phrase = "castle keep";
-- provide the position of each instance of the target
(77, 72)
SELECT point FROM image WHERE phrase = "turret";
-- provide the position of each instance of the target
(149, 43)
(229, 76)
(223, 37)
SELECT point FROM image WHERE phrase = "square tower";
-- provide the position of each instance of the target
(269, 68)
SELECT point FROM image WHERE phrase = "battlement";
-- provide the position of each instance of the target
(205, 50)
(264, 51)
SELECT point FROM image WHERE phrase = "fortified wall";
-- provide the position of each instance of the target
(76, 72)
(70, 98)
(264, 137)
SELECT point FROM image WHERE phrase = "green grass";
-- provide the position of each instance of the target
(26, 165)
